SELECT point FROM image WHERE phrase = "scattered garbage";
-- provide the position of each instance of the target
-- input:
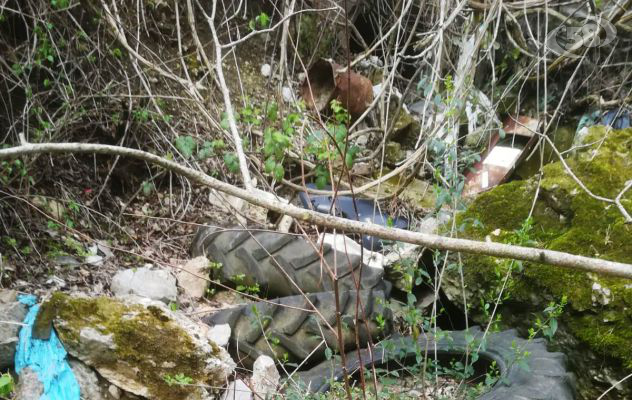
(327, 81)
(359, 210)
(617, 119)
(504, 152)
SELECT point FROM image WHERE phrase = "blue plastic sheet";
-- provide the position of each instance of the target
(46, 357)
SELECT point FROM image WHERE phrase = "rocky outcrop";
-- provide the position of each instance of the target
(594, 329)
(138, 344)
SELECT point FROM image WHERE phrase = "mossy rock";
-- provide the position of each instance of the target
(598, 316)
(316, 37)
(137, 344)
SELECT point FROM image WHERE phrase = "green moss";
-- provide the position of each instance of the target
(315, 40)
(145, 339)
(567, 219)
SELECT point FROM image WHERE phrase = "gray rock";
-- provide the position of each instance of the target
(67, 260)
(29, 386)
(114, 392)
(189, 277)
(266, 70)
(95, 341)
(288, 94)
(88, 381)
(12, 314)
(155, 284)
(220, 334)
(429, 225)
(265, 377)
(237, 390)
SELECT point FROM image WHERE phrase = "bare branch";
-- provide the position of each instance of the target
(542, 256)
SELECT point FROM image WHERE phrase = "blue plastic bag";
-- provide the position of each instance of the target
(45, 357)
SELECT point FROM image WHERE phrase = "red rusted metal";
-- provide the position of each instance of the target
(327, 81)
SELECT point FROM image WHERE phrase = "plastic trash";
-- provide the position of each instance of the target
(617, 119)
(47, 358)
(366, 212)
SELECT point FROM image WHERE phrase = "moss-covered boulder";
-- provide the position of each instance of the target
(595, 329)
(139, 345)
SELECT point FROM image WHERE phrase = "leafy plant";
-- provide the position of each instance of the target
(260, 21)
(548, 324)
(185, 145)
(232, 162)
(331, 145)
(59, 4)
(7, 384)
(277, 141)
(242, 286)
(178, 379)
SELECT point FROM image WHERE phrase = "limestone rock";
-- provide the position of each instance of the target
(189, 277)
(12, 313)
(220, 334)
(595, 324)
(134, 342)
(155, 284)
(265, 377)
(88, 381)
(237, 390)
(29, 386)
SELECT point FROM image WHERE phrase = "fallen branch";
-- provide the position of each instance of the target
(550, 257)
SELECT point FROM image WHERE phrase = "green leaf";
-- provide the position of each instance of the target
(6, 384)
(328, 353)
(263, 20)
(552, 327)
(147, 188)
(279, 172)
(232, 162)
(269, 165)
(272, 112)
(321, 182)
(185, 145)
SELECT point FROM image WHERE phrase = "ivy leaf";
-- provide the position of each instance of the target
(185, 145)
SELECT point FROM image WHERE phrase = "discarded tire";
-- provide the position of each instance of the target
(546, 377)
(285, 329)
(299, 327)
(281, 263)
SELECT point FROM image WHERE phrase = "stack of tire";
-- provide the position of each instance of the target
(301, 321)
